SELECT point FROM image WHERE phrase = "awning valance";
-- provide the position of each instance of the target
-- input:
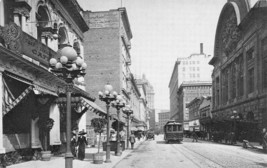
(44, 90)
(17, 100)
(92, 106)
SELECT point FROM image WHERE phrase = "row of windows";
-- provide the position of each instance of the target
(190, 62)
(191, 68)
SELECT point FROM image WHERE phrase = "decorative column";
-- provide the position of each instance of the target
(2, 149)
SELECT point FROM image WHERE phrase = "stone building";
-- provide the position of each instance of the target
(239, 78)
(33, 98)
(186, 93)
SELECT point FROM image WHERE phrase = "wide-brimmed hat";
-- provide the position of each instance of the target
(82, 133)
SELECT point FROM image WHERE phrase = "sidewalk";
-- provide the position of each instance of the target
(59, 162)
(254, 145)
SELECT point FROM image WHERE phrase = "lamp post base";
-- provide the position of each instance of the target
(108, 161)
(118, 153)
(68, 160)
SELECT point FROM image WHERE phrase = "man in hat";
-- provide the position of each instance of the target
(82, 142)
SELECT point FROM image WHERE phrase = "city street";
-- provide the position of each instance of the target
(188, 154)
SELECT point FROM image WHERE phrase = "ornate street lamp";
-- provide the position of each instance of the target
(128, 111)
(68, 67)
(118, 104)
(108, 96)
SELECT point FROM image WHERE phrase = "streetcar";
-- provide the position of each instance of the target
(173, 131)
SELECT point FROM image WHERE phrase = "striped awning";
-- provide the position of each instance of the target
(44, 90)
(92, 106)
(17, 100)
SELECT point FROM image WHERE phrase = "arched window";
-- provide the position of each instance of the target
(43, 21)
(62, 37)
(76, 46)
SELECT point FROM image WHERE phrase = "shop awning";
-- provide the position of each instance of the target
(44, 90)
(92, 106)
(17, 100)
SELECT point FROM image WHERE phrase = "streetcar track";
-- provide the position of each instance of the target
(195, 153)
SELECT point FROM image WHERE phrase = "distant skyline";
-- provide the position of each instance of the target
(164, 30)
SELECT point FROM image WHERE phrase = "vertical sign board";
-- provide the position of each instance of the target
(22, 43)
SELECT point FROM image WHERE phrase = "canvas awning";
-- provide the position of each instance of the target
(17, 100)
(44, 90)
(92, 106)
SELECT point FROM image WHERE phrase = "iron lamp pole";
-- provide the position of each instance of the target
(108, 96)
(68, 67)
(128, 111)
(118, 104)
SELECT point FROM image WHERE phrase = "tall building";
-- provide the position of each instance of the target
(239, 80)
(186, 93)
(149, 92)
(164, 116)
(194, 68)
(107, 54)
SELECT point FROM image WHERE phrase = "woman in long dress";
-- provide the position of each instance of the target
(82, 142)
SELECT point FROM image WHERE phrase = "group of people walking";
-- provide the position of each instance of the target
(78, 145)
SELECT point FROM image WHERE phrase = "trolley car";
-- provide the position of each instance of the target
(173, 131)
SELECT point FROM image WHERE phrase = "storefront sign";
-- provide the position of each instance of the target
(20, 42)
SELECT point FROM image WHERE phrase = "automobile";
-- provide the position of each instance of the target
(150, 135)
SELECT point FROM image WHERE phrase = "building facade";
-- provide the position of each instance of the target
(194, 68)
(239, 75)
(107, 52)
(194, 114)
(186, 93)
(164, 116)
(33, 98)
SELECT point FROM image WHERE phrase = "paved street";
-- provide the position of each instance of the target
(156, 153)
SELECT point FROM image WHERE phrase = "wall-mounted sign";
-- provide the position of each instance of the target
(20, 42)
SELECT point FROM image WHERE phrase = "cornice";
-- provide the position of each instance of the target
(68, 18)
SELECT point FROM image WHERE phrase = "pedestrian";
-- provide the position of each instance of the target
(73, 144)
(132, 140)
(195, 137)
(82, 142)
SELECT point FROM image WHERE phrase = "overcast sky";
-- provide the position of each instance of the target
(164, 30)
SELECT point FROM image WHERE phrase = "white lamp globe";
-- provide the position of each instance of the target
(63, 59)
(100, 93)
(108, 87)
(79, 61)
(119, 97)
(58, 65)
(69, 52)
(84, 65)
(115, 94)
(74, 67)
(107, 92)
(53, 62)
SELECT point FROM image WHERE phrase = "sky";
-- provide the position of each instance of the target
(164, 30)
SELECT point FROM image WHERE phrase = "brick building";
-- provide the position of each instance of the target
(107, 54)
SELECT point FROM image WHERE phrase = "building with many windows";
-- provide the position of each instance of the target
(163, 116)
(194, 68)
(187, 92)
(240, 64)
(107, 51)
